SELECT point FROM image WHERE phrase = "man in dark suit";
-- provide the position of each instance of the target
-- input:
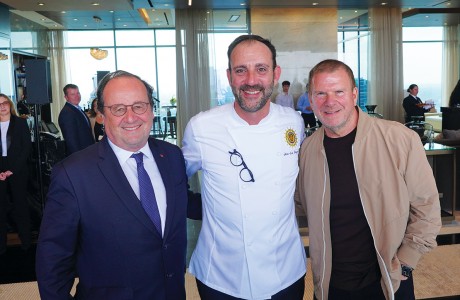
(74, 123)
(95, 226)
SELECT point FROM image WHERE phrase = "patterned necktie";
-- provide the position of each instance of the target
(147, 195)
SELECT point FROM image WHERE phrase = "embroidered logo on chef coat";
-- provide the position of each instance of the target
(291, 137)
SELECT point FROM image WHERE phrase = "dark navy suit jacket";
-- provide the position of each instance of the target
(94, 227)
(76, 129)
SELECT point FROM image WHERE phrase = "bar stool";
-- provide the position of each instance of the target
(171, 122)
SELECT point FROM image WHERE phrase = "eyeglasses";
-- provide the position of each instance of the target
(4, 104)
(237, 160)
(119, 110)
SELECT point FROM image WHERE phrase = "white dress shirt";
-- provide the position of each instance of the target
(249, 245)
(129, 166)
(284, 99)
(4, 130)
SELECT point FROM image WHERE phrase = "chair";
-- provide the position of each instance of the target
(423, 129)
(172, 122)
(156, 127)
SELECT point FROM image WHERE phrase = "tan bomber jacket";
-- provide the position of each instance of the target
(398, 193)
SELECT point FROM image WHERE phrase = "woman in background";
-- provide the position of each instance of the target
(97, 121)
(413, 105)
(15, 146)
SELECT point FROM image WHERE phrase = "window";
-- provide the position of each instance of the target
(82, 70)
(219, 64)
(352, 50)
(134, 51)
(422, 56)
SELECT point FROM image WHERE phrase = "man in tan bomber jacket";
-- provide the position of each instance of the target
(369, 194)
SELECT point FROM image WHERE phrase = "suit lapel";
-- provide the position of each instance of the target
(113, 173)
(10, 132)
(161, 159)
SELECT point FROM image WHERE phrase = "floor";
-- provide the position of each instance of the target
(437, 276)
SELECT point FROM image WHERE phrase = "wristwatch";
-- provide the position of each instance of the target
(406, 271)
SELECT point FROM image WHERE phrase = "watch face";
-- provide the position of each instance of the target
(406, 271)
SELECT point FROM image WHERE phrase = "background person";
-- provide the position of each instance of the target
(412, 104)
(122, 232)
(15, 147)
(284, 98)
(369, 193)
(74, 123)
(97, 121)
(249, 246)
(303, 104)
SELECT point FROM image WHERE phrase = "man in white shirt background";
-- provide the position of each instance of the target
(284, 98)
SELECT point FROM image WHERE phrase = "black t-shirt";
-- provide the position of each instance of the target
(354, 260)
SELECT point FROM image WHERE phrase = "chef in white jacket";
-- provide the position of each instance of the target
(249, 246)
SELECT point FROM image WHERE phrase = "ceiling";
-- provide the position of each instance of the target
(80, 14)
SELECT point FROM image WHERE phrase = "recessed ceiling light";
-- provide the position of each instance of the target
(383, 3)
(95, 4)
(124, 25)
(234, 18)
(40, 4)
(315, 3)
(111, 11)
(242, 3)
(75, 19)
(63, 12)
(427, 16)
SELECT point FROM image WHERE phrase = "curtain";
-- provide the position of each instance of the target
(386, 62)
(193, 27)
(193, 40)
(58, 71)
(450, 73)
